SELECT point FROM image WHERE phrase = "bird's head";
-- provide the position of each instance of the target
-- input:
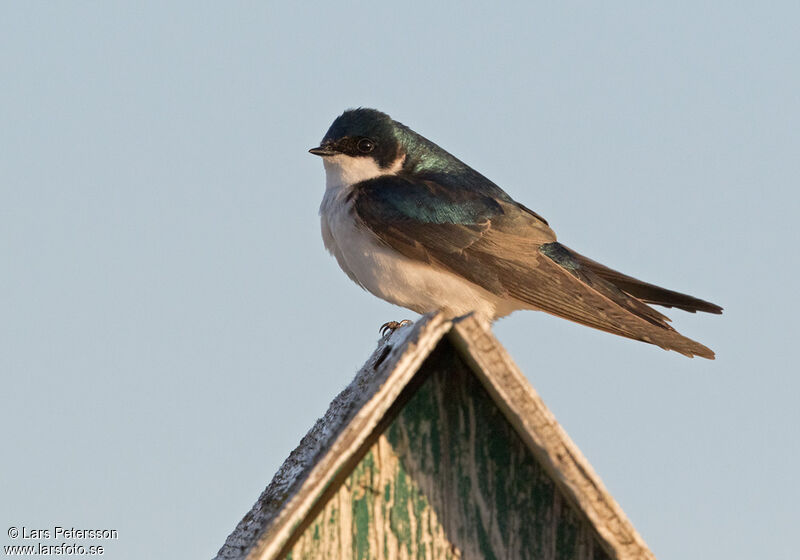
(361, 144)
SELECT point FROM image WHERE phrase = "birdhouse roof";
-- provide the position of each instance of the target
(361, 412)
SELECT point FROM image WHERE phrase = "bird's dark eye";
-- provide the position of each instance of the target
(365, 145)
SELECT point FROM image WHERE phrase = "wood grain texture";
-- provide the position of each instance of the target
(379, 513)
(546, 439)
(449, 478)
(334, 445)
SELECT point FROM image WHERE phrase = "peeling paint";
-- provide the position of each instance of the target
(449, 478)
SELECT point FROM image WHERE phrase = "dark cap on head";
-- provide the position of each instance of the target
(361, 133)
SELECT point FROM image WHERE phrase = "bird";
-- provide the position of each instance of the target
(419, 228)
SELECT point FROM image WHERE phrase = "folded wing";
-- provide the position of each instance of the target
(512, 252)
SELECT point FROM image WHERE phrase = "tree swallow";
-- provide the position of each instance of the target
(419, 228)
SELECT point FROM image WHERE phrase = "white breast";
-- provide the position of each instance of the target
(386, 273)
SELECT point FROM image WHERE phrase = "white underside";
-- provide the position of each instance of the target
(383, 271)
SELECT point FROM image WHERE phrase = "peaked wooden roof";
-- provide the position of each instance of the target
(362, 411)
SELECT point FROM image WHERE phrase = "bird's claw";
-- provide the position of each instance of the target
(391, 326)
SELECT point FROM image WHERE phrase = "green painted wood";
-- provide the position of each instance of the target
(449, 478)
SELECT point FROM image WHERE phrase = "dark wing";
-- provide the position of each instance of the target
(509, 251)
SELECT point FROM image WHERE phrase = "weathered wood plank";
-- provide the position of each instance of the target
(449, 478)
(312, 470)
(379, 513)
(542, 434)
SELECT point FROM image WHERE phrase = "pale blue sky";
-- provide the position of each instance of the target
(170, 324)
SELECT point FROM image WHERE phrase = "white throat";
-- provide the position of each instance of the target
(343, 171)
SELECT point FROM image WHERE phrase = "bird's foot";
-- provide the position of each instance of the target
(389, 328)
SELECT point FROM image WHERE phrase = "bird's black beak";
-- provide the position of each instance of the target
(323, 151)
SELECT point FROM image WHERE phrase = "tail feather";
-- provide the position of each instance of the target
(568, 287)
(648, 293)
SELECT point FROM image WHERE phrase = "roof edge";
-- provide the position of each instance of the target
(335, 440)
(532, 420)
